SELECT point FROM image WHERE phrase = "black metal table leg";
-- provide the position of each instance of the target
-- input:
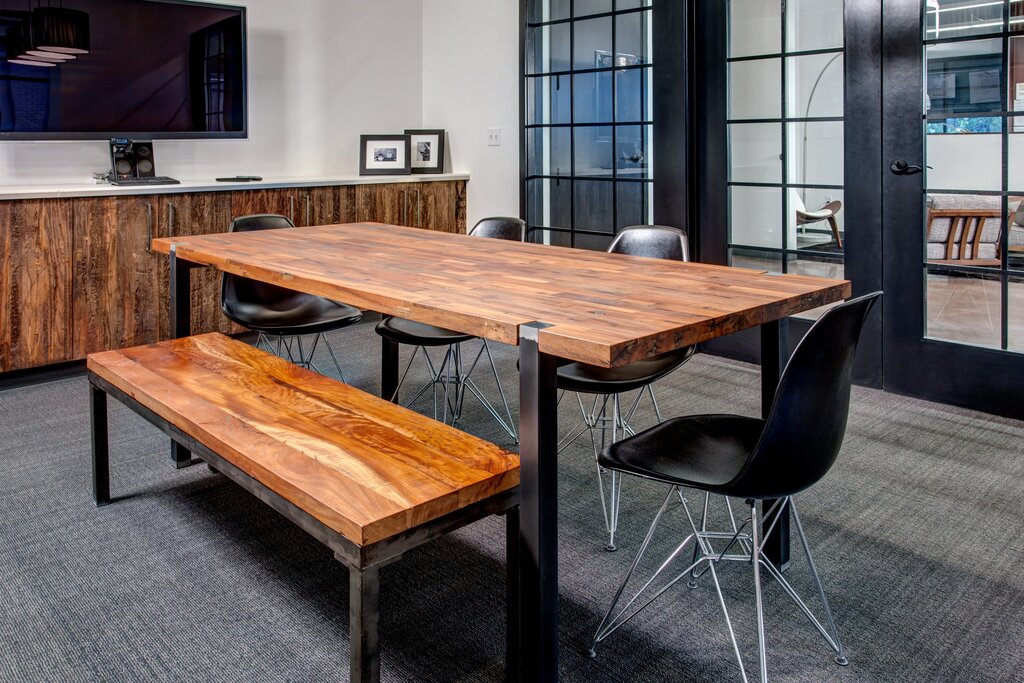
(388, 369)
(774, 355)
(364, 617)
(538, 510)
(512, 614)
(181, 326)
(100, 445)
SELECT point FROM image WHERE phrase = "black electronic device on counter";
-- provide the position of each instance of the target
(133, 162)
(240, 179)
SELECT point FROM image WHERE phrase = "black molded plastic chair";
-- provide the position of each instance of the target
(451, 376)
(754, 460)
(281, 313)
(608, 384)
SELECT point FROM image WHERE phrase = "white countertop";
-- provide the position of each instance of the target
(61, 190)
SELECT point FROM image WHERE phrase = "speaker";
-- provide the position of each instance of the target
(122, 158)
(131, 159)
(145, 163)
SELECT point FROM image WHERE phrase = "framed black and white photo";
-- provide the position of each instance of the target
(384, 155)
(427, 150)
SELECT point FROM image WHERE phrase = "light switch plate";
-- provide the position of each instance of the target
(494, 137)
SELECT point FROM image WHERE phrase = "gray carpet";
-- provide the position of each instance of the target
(917, 532)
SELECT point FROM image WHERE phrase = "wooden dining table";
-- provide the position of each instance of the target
(553, 303)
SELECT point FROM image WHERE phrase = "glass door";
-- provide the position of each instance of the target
(953, 128)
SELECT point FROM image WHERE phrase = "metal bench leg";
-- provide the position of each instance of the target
(512, 595)
(364, 615)
(100, 445)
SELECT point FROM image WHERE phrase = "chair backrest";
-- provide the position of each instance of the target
(652, 241)
(966, 234)
(807, 422)
(238, 295)
(500, 228)
(260, 221)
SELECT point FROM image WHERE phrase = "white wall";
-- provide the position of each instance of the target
(319, 75)
(470, 84)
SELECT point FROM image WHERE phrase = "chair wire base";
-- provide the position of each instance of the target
(598, 423)
(740, 546)
(452, 381)
(291, 348)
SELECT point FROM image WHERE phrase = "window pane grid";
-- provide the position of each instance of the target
(971, 54)
(772, 124)
(588, 124)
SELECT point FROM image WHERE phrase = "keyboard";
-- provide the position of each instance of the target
(155, 180)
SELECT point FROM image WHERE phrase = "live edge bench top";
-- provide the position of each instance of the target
(364, 467)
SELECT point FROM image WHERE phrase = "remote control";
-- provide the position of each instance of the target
(240, 179)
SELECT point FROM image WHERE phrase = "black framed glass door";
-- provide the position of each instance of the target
(953, 141)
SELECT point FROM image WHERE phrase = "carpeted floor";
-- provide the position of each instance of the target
(918, 533)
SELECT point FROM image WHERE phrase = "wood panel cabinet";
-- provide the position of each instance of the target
(283, 202)
(326, 205)
(116, 277)
(77, 275)
(35, 283)
(440, 205)
(200, 213)
(385, 203)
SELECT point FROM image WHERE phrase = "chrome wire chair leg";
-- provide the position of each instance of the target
(841, 659)
(334, 358)
(506, 422)
(610, 624)
(401, 381)
(833, 639)
(692, 582)
(654, 402)
(755, 542)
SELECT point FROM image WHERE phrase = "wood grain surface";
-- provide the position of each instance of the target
(365, 467)
(116, 277)
(186, 215)
(36, 243)
(603, 309)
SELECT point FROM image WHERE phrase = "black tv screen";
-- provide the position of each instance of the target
(95, 69)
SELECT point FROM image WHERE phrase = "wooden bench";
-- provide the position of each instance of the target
(368, 478)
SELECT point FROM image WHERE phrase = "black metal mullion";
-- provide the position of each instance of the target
(587, 17)
(806, 186)
(615, 118)
(590, 70)
(785, 140)
(1004, 235)
(791, 119)
(586, 125)
(572, 122)
(784, 52)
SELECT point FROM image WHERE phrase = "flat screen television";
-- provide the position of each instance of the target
(96, 69)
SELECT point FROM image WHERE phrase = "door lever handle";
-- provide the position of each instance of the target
(901, 167)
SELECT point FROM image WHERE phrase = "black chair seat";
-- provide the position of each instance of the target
(703, 451)
(591, 379)
(418, 334)
(291, 315)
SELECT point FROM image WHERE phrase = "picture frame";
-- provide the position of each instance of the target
(384, 155)
(427, 148)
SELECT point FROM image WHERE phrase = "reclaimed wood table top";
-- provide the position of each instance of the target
(603, 309)
(365, 467)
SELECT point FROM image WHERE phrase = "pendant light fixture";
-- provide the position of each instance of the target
(17, 49)
(30, 62)
(60, 30)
